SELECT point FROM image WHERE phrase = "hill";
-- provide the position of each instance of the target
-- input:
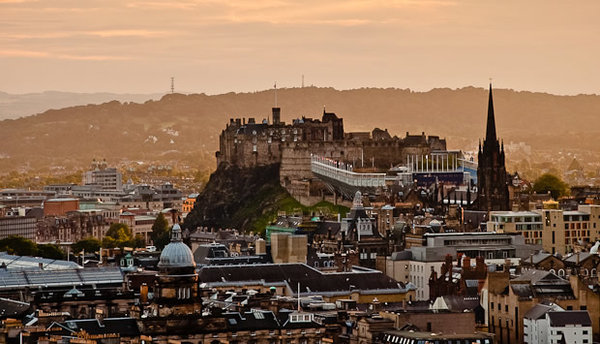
(185, 128)
(20, 105)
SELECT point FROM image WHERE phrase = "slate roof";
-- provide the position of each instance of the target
(13, 262)
(561, 319)
(582, 256)
(12, 308)
(537, 312)
(58, 278)
(540, 283)
(251, 321)
(125, 327)
(311, 280)
(537, 258)
(534, 276)
(459, 303)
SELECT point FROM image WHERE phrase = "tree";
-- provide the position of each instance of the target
(160, 232)
(50, 251)
(87, 245)
(138, 241)
(118, 235)
(550, 183)
(18, 245)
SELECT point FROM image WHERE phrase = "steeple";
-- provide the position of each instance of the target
(492, 187)
(490, 133)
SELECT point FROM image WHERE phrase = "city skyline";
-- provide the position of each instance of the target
(217, 47)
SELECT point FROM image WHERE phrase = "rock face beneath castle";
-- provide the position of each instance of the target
(251, 144)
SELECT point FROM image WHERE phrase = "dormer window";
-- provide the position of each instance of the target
(301, 317)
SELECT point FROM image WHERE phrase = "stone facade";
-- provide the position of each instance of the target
(492, 188)
(249, 144)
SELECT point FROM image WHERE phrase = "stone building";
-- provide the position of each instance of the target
(492, 183)
(249, 144)
(506, 300)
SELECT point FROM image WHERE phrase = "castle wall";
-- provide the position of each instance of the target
(255, 144)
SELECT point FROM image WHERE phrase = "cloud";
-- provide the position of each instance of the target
(127, 33)
(59, 56)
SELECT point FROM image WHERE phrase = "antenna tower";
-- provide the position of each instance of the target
(172, 85)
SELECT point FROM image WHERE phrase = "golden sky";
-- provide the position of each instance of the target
(217, 46)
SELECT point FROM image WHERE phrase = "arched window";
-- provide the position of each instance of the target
(586, 272)
(593, 272)
(552, 271)
(561, 273)
(316, 264)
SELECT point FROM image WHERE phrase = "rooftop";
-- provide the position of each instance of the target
(34, 263)
(565, 318)
(60, 278)
(311, 280)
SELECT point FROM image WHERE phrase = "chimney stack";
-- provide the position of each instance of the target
(144, 293)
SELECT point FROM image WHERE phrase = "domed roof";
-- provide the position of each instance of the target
(176, 254)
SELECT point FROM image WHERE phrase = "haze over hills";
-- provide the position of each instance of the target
(19, 105)
(185, 128)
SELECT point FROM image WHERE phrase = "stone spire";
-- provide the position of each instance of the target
(490, 133)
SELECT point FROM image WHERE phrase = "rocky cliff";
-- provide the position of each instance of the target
(237, 198)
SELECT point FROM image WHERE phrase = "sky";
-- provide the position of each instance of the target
(219, 46)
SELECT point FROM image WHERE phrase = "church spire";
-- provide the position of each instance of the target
(490, 133)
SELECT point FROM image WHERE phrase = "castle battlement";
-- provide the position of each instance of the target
(248, 143)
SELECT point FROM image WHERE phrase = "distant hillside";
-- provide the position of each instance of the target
(19, 105)
(186, 127)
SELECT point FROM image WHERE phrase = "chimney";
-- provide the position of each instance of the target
(467, 262)
(144, 293)
(480, 264)
(577, 255)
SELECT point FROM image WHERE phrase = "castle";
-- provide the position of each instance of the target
(247, 144)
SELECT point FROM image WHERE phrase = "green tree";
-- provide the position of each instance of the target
(18, 245)
(50, 251)
(118, 235)
(87, 245)
(138, 241)
(160, 232)
(550, 183)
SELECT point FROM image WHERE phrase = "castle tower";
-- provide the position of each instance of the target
(492, 188)
(276, 115)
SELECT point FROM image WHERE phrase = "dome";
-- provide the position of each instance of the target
(176, 254)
